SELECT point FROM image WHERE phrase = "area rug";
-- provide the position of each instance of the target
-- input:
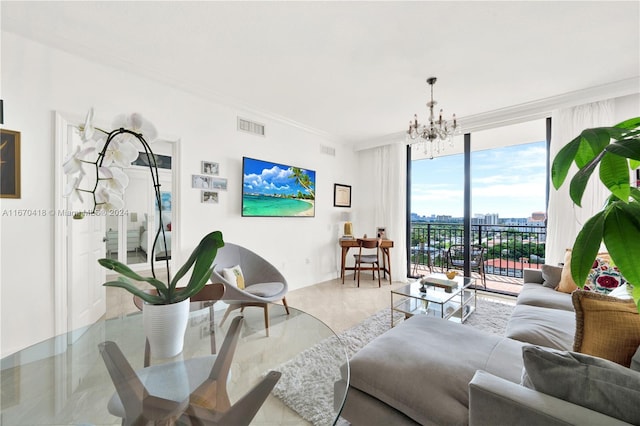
(306, 374)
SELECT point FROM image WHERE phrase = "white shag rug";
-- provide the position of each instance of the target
(306, 375)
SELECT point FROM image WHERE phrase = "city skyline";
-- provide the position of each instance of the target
(509, 181)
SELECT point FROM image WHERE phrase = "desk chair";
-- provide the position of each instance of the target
(369, 258)
(209, 294)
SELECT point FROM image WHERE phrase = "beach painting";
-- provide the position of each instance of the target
(277, 190)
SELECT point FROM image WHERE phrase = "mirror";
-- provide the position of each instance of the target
(130, 235)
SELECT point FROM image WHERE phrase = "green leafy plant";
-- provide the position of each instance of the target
(201, 259)
(616, 150)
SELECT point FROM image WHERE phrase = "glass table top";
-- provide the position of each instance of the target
(64, 380)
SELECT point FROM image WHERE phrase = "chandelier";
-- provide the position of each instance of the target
(432, 135)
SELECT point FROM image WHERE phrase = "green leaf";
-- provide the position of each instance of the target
(585, 248)
(635, 293)
(581, 179)
(122, 269)
(631, 123)
(614, 173)
(562, 162)
(622, 238)
(127, 285)
(202, 257)
(627, 148)
(595, 141)
(634, 193)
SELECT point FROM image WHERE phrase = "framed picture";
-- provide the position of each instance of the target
(9, 164)
(210, 168)
(381, 233)
(201, 182)
(219, 184)
(209, 197)
(341, 195)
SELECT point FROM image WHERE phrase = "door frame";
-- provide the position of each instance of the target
(60, 240)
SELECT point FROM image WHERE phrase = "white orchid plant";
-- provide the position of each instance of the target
(104, 155)
(96, 168)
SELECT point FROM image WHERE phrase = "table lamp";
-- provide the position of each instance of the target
(348, 226)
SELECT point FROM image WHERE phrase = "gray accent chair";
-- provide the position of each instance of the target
(263, 283)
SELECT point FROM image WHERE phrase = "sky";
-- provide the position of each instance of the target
(263, 177)
(509, 181)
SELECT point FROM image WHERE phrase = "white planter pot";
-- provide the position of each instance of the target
(165, 326)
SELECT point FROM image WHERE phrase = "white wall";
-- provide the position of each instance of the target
(36, 81)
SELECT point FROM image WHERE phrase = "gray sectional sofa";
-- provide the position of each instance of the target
(430, 371)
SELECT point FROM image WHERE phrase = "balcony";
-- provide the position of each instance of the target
(508, 250)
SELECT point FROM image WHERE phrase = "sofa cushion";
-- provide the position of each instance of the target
(595, 383)
(553, 328)
(423, 366)
(551, 275)
(545, 297)
(606, 327)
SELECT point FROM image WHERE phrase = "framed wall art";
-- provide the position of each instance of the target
(9, 164)
(210, 168)
(210, 197)
(341, 195)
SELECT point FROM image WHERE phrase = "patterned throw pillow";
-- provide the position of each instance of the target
(603, 277)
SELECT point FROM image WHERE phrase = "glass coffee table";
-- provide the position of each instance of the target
(452, 302)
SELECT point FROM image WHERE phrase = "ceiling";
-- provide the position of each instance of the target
(352, 71)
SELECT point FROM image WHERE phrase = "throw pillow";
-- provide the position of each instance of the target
(603, 277)
(606, 326)
(567, 285)
(551, 275)
(621, 292)
(591, 382)
(234, 276)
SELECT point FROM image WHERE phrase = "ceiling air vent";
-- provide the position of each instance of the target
(250, 127)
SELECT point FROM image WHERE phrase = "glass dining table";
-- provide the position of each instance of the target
(66, 380)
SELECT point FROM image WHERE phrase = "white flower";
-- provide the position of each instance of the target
(107, 200)
(136, 123)
(119, 152)
(73, 163)
(115, 178)
(87, 130)
(72, 191)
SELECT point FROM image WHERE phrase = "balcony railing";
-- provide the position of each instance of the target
(508, 248)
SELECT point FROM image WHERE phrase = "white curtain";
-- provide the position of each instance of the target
(389, 178)
(565, 219)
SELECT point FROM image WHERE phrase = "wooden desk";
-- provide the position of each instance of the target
(346, 244)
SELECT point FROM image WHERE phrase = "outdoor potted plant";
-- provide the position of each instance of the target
(617, 151)
(101, 160)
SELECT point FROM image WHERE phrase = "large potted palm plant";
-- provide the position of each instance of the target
(96, 168)
(616, 150)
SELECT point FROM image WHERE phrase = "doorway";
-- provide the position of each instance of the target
(79, 296)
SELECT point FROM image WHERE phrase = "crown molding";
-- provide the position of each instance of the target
(526, 111)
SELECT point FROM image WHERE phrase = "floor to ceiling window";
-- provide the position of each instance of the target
(508, 203)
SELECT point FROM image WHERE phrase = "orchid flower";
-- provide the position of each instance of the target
(108, 200)
(72, 191)
(120, 152)
(87, 130)
(136, 123)
(115, 178)
(73, 163)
